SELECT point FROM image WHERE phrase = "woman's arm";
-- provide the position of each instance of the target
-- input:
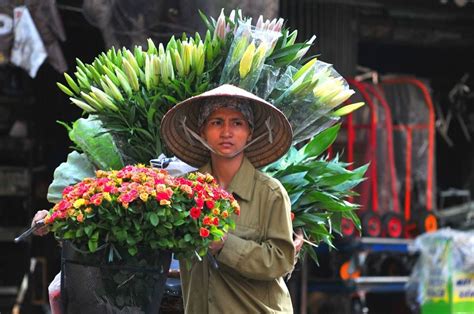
(272, 258)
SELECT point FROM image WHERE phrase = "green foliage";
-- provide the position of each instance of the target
(76, 168)
(91, 138)
(319, 189)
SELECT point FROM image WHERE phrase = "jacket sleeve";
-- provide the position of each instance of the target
(272, 258)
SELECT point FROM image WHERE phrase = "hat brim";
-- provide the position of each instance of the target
(259, 153)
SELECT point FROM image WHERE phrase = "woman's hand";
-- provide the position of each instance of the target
(216, 246)
(298, 240)
(38, 216)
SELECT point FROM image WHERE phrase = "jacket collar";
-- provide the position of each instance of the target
(242, 184)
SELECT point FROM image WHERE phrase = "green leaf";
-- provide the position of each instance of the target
(322, 141)
(92, 244)
(327, 201)
(154, 219)
(295, 196)
(179, 222)
(294, 179)
(75, 169)
(188, 237)
(93, 139)
(132, 250)
(88, 230)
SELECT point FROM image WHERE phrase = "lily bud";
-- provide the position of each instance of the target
(64, 89)
(260, 55)
(246, 61)
(132, 61)
(303, 51)
(304, 69)
(114, 91)
(151, 47)
(178, 63)
(138, 54)
(131, 75)
(91, 101)
(161, 49)
(123, 81)
(82, 105)
(348, 109)
(340, 98)
(239, 49)
(156, 69)
(72, 83)
(199, 59)
(219, 31)
(278, 25)
(105, 99)
(259, 22)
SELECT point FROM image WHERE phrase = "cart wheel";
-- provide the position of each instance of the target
(371, 225)
(427, 222)
(393, 225)
(348, 229)
(346, 273)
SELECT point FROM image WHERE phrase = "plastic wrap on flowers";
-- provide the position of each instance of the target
(91, 285)
(316, 88)
(442, 280)
(247, 54)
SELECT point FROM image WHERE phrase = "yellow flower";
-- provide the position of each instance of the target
(144, 196)
(165, 202)
(79, 202)
(246, 62)
(107, 196)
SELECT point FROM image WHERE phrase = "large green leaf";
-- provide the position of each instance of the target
(91, 137)
(75, 169)
(321, 142)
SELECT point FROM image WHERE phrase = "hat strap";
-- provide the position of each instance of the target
(190, 134)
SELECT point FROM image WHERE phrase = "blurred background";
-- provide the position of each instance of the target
(417, 56)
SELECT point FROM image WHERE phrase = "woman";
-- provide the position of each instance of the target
(228, 133)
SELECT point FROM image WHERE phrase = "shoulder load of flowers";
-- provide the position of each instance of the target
(125, 92)
(143, 208)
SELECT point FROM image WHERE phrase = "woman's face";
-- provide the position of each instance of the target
(227, 131)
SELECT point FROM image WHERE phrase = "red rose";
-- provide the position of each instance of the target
(207, 220)
(210, 204)
(215, 221)
(203, 232)
(199, 202)
(195, 212)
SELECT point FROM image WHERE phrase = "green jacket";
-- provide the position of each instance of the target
(255, 256)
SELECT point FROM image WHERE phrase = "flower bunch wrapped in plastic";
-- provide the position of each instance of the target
(125, 93)
(141, 208)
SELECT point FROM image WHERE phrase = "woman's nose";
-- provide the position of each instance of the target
(226, 130)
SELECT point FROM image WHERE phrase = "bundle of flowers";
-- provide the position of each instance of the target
(125, 93)
(142, 208)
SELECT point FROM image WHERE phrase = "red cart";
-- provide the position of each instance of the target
(414, 122)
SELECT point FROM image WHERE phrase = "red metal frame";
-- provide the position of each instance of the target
(409, 128)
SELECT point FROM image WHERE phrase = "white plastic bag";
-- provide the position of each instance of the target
(54, 292)
(28, 50)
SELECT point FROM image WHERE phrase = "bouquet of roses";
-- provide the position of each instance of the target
(142, 208)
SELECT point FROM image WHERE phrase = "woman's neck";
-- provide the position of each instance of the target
(224, 169)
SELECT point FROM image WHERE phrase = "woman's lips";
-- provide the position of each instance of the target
(226, 144)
